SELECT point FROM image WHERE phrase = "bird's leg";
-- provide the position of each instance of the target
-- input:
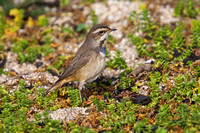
(80, 87)
(84, 87)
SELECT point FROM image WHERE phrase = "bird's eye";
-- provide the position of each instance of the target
(101, 32)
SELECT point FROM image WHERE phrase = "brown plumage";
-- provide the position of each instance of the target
(89, 61)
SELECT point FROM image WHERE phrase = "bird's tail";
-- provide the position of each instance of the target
(56, 85)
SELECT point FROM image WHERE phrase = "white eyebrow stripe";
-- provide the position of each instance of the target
(102, 29)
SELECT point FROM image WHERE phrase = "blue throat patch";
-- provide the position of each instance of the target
(103, 50)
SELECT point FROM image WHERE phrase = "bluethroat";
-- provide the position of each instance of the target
(89, 61)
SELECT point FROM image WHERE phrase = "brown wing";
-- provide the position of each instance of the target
(81, 59)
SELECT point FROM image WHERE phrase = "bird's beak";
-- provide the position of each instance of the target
(113, 29)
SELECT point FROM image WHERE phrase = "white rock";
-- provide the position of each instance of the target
(68, 114)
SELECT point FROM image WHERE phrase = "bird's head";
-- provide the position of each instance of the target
(99, 34)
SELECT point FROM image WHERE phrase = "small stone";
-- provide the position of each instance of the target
(38, 64)
(68, 115)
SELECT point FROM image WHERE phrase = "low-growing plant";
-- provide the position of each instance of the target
(155, 79)
(99, 103)
(46, 50)
(183, 117)
(197, 70)
(133, 17)
(184, 85)
(70, 31)
(138, 42)
(164, 42)
(29, 53)
(111, 39)
(80, 27)
(74, 96)
(94, 18)
(3, 24)
(90, 1)
(16, 105)
(78, 129)
(3, 71)
(49, 124)
(42, 21)
(125, 82)
(18, 19)
(163, 118)
(178, 11)
(118, 62)
(147, 24)
(190, 9)
(47, 40)
(59, 63)
(20, 46)
(178, 39)
(120, 114)
(7, 5)
(195, 38)
(141, 126)
(64, 2)
(186, 7)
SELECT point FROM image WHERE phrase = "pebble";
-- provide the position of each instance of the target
(115, 13)
(12, 64)
(165, 13)
(69, 114)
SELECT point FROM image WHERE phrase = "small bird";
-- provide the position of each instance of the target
(89, 61)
